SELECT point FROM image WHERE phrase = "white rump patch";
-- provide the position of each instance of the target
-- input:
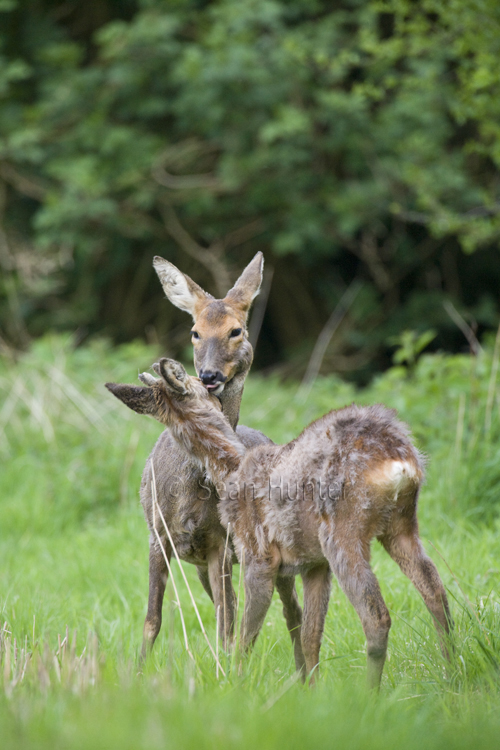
(394, 474)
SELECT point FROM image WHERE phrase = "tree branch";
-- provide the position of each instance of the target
(25, 185)
(208, 257)
(260, 305)
(178, 153)
(467, 331)
(325, 336)
(416, 217)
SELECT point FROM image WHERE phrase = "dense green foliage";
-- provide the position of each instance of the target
(358, 139)
(73, 546)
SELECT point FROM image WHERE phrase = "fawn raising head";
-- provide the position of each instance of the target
(178, 401)
(219, 334)
(162, 394)
(355, 477)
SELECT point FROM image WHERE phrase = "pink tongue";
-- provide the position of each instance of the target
(211, 387)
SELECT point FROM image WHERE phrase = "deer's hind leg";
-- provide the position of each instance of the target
(158, 575)
(349, 560)
(406, 549)
(316, 584)
(292, 612)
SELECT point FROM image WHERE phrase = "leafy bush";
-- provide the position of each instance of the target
(60, 426)
(347, 140)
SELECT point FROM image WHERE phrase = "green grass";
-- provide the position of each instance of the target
(73, 575)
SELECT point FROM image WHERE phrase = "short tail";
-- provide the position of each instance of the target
(396, 475)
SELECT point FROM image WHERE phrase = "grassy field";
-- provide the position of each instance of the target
(73, 575)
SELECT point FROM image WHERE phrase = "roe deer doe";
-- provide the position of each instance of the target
(187, 498)
(309, 507)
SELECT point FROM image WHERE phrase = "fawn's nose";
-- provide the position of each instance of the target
(211, 377)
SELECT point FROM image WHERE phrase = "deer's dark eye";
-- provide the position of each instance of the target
(235, 332)
(195, 334)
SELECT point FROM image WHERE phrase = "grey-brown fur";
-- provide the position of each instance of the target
(186, 496)
(360, 477)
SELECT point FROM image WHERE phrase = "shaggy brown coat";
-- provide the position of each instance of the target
(186, 496)
(309, 507)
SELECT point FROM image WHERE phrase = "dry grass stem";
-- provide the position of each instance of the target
(75, 395)
(224, 575)
(44, 667)
(167, 561)
(242, 566)
(174, 550)
(217, 643)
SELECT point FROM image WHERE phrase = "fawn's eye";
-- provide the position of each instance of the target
(195, 334)
(235, 332)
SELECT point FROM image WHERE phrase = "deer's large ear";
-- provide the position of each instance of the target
(248, 285)
(182, 291)
(137, 398)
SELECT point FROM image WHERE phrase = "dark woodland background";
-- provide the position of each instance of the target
(356, 143)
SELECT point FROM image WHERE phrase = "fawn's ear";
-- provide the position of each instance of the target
(182, 291)
(248, 285)
(136, 397)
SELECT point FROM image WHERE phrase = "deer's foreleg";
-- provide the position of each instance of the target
(158, 574)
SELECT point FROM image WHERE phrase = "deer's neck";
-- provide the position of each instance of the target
(230, 399)
(207, 435)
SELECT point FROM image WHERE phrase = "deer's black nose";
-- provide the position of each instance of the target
(209, 377)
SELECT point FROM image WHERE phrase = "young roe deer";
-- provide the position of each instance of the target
(309, 507)
(187, 498)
